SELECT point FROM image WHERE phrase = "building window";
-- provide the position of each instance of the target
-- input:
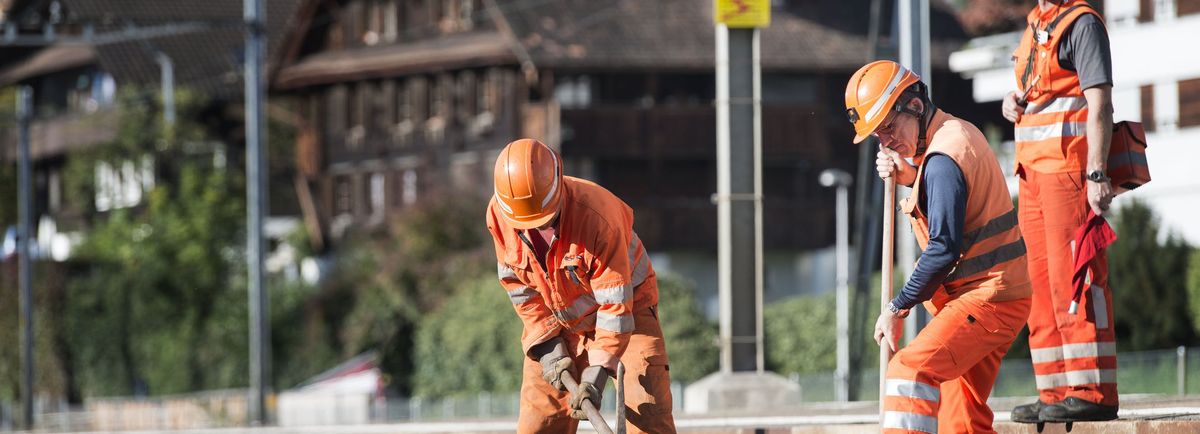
(408, 189)
(574, 92)
(375, 191)
(391, 20)
(374, 20)
(1189, 103)
(1148, 107)
(343, 201)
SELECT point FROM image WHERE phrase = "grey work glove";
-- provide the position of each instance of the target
(591, 388)
(552, 354)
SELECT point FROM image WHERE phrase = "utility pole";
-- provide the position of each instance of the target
(256, 204)
(914, 55)
(25, 271)
(742, 382)
(739, 199)
(842, 180)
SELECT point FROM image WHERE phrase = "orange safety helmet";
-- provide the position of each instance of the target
(872, 93)
(528, 183)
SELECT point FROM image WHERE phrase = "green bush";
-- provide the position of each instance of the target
(691, 338)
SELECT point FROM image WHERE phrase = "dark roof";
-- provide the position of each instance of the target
(803, 35)
(206, 56)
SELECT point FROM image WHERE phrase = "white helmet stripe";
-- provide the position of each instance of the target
(887, 94)
(554, 186)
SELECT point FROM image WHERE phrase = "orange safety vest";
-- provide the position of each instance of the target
(991, 264)
(596, 273)
(1052, 134)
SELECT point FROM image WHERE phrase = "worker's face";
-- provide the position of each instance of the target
(899, 133)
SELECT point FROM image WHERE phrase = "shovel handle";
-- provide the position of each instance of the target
(588, 408)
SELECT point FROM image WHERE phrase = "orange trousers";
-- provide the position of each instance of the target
(545, 409)
(1074, 355)
(941, 381)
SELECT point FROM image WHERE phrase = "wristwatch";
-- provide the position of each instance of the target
(891, 307)
(1098, 176)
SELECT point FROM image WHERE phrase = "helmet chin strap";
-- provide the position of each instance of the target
(924, 119)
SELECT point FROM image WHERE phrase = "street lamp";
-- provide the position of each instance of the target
(842, 180)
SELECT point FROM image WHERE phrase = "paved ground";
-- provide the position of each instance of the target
(1139, 414)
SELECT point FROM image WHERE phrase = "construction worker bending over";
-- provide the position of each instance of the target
(1064, 122)
(971, 274)
(582, 283)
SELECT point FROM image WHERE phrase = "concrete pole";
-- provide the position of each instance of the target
(914, 55)
(25, 268)
(739, 220)
(842, 180)
(256, 207)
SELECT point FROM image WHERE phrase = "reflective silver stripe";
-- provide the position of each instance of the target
(1076, 378)
(913, 389)
(1091, 376)
(582, 306)
(1056, 105)
(500, 202)
(993, 227)
(1045, 355)
(614, 323)
(986, 261)
(1042, 132)
(614, 294)
(640, 263)
(554, 186)
(1100, 308)
(1074, 351)
(522, 295)
(504, 272)
(1050, 381)
(910, 421)
(887, 93)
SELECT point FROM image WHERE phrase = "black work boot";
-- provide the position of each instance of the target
(1028, 413)
(1076, 410)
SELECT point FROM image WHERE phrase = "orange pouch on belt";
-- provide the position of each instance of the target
(1127, 156)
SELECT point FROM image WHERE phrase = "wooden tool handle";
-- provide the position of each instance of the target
(885, 284)
(588, 408)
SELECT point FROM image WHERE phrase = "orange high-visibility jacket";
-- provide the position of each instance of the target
(991, 265)
(598, 273)
(1052, 134)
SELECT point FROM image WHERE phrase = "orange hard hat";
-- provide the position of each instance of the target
(528, 183)
(872, 93)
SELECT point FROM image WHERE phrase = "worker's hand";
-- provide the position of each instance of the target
(1012, 107)
(889, 326)
(591, 388)
(889, 162)
(1100, 195)
(552, 354)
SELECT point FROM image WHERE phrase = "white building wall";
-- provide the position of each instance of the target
(1158, 53)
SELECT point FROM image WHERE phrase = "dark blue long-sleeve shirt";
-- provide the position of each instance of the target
(943, 199)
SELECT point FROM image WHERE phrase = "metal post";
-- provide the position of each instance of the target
(167, 68)
(256, 204)
(914, 54)
(1181, 369)
(25, 271)
(842, 180)
(739, 255)
(885, 285)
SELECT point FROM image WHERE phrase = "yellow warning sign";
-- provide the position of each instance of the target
(743, 13)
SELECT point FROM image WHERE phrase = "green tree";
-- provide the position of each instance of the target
(1147, 273)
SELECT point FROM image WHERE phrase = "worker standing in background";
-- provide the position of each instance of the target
(582, 283)
(1064, 124)
(971, 274)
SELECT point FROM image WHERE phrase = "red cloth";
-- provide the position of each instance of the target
(1090, 239)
